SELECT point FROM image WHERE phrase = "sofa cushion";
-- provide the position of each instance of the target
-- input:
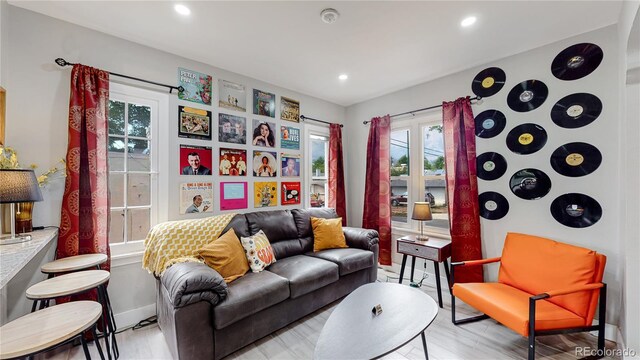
(239, 224)
(277, 225)
(258, 251)
(327, 234)
(305, 273)
(226, 256)
(348, 260)
(302, 218)
(249, 295)
(510, 307)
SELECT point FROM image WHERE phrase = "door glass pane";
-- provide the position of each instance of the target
(139, 190)
(317, 195)
(116, 187)
(138, 224)
(116, 117)
(116, 153)
(116, 232)
(139, 156)
(318, 153)
(399, 200)
(399, 153)
(139, 120)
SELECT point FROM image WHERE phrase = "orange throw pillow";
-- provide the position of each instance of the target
(327, 234)
(226, 256)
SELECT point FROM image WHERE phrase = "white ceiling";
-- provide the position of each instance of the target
(383, 46)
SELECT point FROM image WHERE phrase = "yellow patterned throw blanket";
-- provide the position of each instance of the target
(172, 242)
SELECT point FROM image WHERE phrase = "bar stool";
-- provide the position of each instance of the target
(45, 329)
(73, 263)
(72, 284)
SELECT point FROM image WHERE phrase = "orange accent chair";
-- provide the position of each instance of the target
(544, 287)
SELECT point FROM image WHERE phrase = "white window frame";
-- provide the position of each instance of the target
(416, 178)
(158, 102)
(311, 130)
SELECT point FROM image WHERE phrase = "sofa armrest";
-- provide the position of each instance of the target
(569, 290)
(190, 282)
(360, 238)
(475, 262)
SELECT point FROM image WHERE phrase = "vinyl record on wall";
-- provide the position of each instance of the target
(493, 206)
(488, 82)
(530, 184)
(490, 165)
(576, 210)
(576, 159)
(576, 110)
(490, 123)
(527, 96)
(526, 139)
(577, 61)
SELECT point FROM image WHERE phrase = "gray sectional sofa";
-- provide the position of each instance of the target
(202, 317)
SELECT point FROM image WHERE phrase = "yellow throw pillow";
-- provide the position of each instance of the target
(226, 256)
(327, 234)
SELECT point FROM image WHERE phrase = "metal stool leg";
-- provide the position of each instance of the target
(114, 327)
(424, 345)
(34, 306)
(85, 347)
(104, 317)
(95, 339)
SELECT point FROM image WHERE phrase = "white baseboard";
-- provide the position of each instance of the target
(622, 348)
(132, 317)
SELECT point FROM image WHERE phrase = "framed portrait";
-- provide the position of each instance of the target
(265, 164)
(263, 134)
(195, 160)
(233, 162)
(194, 123)
(290, 165)
(196, 197)
(232, 129)
(289, 137)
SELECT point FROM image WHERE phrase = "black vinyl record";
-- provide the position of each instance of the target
(577, 61)
(490, 165)
(493, 206)
(527, 96)
(576, 110)
(576, 210)
(576, 159)
(488, 82)
(530, 184)
(490, 123)
(526, 139)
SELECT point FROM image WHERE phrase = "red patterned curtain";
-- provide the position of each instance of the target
(337, 198)
(462, 186)
(377, 190)
(84, 222)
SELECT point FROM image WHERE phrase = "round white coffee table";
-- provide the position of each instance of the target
(354, 332)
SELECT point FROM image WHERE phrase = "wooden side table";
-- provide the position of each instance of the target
(436, 250)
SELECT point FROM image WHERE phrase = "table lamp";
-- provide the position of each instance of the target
(421, 212)
(16, 186)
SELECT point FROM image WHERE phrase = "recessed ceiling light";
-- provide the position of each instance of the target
(343, 77)
(181, 9)
(468, 21)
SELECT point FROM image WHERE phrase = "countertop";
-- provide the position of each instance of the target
(14, 257)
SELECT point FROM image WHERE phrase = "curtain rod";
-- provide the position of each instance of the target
(62, 62)
(423, 109)
(304, 118)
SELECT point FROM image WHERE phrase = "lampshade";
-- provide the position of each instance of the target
(421, 211)
(18, 185)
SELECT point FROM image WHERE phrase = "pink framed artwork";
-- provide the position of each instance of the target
(233, 195)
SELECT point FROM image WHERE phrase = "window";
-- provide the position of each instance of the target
(319, 169)
(133, 163)
(417, 173)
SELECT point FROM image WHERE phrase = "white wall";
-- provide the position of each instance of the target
(526, 216)
(38, 96)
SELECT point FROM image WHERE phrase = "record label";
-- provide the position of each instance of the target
(576, 210)
(526, 139)
(489, 123)
(493, 206)
(576, 110)
(488, 82)
(576, 159)
(577, 61)
(530, 184)
(490, 166)
(527, 96)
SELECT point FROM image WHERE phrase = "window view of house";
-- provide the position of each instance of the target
(319, 170)
(434, 180)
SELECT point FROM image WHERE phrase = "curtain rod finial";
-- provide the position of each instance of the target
(61, 62)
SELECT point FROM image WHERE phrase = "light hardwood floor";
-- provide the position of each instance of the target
(480, 340)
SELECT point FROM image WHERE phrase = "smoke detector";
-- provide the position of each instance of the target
(329, 16)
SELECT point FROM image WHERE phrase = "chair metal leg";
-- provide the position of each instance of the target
(602, 314)
(532, 329)
(446, 271)
(424, 345)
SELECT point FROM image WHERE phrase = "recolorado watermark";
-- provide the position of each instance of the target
(589, 351)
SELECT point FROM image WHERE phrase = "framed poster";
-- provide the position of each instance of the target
(232, 129)
(233, 195)
(263, 133)
(289, 137)
(195, 160)
(232, 96)
(265, 164)
(290, 165)
(196, 197)
(197, 86)
(290, 193)
(264, 103)
(233, 162)
(265, 194)
(194, 123)
(289, 109)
